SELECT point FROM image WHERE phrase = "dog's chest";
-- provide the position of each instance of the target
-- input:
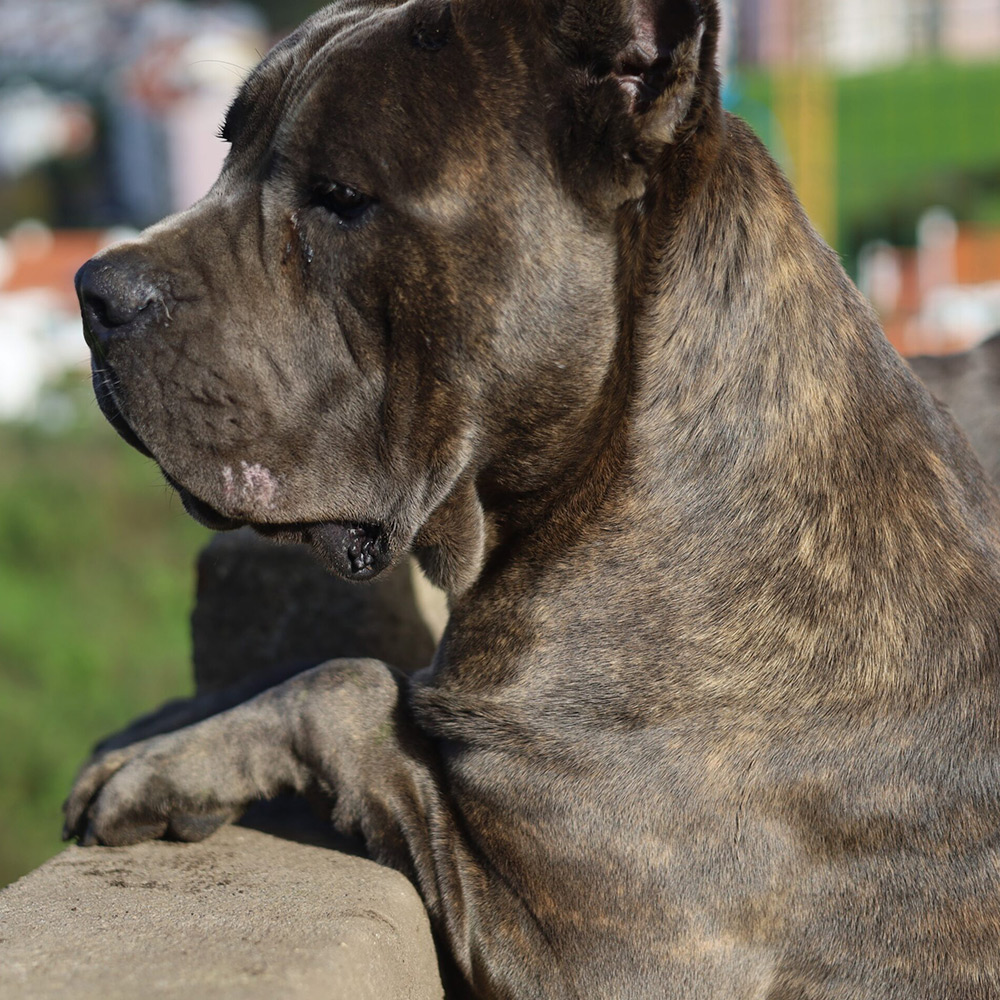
(702, 857)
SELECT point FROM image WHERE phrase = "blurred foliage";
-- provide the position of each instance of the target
(917, 135)
(909, 137)
(96, 584)
(283, 15)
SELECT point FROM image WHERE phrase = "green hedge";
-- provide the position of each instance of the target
(96, 584)
(908, 137)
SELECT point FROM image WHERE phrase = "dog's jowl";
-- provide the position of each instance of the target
(498, 283)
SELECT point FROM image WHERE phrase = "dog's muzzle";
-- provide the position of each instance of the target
(354, 551)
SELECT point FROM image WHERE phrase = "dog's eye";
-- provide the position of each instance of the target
(341, 200)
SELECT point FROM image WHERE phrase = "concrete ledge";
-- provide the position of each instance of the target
(242, 916)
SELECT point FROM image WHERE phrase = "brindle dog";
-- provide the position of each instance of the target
(970, 384)
(716, 714)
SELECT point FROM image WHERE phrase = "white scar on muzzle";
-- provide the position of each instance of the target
(254, 489)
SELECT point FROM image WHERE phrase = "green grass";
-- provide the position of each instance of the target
(908, 137)
(96, 585)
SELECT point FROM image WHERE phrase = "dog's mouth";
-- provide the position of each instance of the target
(101, 380)
(353, 551)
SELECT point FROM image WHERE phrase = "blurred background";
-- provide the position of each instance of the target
(886, 115)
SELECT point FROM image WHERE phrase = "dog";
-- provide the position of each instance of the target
(716, 711)
(969, 385)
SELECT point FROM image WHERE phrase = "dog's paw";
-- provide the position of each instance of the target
(143, 792)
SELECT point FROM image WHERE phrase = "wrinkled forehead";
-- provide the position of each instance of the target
(379, 88)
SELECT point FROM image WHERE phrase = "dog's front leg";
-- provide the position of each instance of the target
(338, 728)
(342, 729)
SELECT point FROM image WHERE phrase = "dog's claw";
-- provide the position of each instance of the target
(67, 830)
(75, 811)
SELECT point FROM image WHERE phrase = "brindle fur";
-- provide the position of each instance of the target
(715, 714)
(969, 383)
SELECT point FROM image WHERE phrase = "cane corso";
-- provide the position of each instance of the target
(498, 283)
(970, 384)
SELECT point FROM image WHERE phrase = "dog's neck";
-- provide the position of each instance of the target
(802, 472)
(750, 335)
(774, 478)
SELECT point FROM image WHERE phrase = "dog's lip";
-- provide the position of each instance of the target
(100, 377)
(364, 546)
(202, 512)
(354, 550)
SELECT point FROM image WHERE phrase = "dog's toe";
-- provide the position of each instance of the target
(145, 792)
(93, 776)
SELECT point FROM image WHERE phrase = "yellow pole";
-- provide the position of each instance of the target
(806, 108)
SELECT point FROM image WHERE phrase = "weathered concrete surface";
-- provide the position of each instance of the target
(243, 916)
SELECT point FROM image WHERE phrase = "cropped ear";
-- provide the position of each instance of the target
(638, 75)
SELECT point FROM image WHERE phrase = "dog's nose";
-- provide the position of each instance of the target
(115, 298)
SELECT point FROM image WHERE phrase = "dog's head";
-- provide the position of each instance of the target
(403, 294)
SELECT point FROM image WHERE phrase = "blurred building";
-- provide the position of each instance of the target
(856, 35)
(40, 329)
(109, 111)
(941, 296)
(157, 76)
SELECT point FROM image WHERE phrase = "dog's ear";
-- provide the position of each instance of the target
(638, 74)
